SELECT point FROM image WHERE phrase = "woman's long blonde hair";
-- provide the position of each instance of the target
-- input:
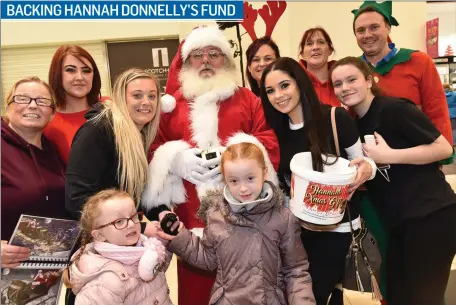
(132, 145)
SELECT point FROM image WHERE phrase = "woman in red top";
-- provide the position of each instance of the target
(315, 48)
(76, 81)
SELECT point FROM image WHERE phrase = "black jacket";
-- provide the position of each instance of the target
(92, 164)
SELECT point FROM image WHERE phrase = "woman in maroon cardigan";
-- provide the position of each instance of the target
(33, 175)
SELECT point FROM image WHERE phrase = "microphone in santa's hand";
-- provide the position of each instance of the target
(168, 222)
(210, 154)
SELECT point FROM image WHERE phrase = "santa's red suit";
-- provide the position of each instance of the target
(220, 117)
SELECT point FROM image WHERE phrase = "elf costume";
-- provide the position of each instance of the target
(409, 74)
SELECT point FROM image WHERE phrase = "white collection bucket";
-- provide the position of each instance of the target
(320, 197)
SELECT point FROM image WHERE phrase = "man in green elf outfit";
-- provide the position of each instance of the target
(402, 73)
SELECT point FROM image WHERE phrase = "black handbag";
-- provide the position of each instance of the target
(363, 262)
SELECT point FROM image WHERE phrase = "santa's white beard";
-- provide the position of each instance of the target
(194, 85)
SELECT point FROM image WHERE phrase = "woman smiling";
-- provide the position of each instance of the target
(110, 149)
(315, 48)
(33, 175)
(76, 81)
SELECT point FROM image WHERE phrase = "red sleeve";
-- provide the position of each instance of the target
(262, 132)
(161, 137)
(433, 98)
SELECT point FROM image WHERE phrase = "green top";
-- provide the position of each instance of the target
(403, 55)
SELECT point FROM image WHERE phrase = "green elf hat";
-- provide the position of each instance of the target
(385, 8)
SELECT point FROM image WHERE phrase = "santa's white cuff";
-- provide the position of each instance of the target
(163, 187)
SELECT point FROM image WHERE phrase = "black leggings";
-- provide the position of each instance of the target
(419, 260)
(326, 252)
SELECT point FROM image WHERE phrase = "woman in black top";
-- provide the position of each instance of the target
(302, 124)
(110, 150)
(411, 195)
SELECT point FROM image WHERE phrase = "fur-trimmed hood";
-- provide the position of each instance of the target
(258, 254)
(215, 200)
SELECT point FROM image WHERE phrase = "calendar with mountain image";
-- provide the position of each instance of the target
(38, 280)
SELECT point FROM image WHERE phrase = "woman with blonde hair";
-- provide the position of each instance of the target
(110, 149)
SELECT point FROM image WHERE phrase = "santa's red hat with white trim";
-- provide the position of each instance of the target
(198, 38)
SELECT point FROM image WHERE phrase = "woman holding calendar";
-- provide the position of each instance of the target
(33, 175)
(416, 204)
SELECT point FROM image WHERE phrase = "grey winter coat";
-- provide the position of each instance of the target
(258, 253)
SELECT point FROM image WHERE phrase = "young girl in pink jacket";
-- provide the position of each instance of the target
(116, 263)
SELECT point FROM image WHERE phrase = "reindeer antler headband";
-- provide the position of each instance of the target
(270, 13)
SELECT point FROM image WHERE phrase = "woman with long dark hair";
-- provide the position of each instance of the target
(260, 53)
(303, 124)
(411, 196)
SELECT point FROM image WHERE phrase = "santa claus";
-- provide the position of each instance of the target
(205, 112)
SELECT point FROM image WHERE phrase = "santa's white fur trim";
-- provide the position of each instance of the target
(204, 116)
(204, 123)
(205, 36)
(241, 137)
(162, 186)
(168, 103)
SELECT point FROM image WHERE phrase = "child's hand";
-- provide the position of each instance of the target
(152, 228)
(177, 225)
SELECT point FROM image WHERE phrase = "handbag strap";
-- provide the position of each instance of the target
(336, 143)
(334, 129)
(350, 222)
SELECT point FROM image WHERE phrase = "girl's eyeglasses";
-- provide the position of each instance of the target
(122, 223)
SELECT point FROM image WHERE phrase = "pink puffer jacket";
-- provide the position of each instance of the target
(101, 280)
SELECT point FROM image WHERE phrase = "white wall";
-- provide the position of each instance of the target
(446, 12)
(335, 17)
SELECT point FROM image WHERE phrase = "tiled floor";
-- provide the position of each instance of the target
(350, 297)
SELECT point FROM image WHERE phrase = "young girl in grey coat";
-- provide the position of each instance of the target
(251, 239)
